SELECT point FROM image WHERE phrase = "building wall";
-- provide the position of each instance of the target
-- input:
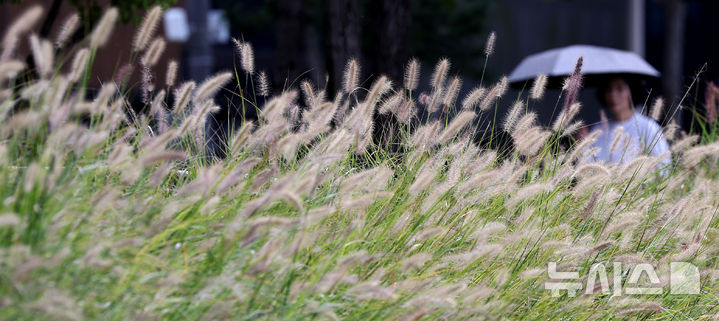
(109, 58)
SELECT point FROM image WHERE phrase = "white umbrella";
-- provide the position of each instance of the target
(597, 60)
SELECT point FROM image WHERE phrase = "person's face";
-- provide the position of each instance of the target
(618, 97)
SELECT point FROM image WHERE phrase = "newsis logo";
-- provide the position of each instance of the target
(683, 280)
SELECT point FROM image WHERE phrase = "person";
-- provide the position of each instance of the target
(627, 133)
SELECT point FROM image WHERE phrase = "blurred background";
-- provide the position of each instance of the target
(313, 39)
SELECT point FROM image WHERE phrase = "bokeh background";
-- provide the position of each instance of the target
(313, 39)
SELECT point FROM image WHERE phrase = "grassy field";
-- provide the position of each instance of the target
(111, 215)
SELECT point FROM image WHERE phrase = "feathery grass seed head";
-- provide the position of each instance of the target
(434, 102)
(380, 87)
(247, 58)
(10, 69)
(22, 25)
(524, 124)
(489, 47)
(263, 84)
(440, 73)
(208, 88)
(573, 83)
(350, 79)
(452, 91)
(538, 87)
(68, 28)
(391, 104)
(102, 31)
(566, 116)
(79, 63)
(147, 28)
(411, 74)
(182, 96)
(157, 103)
(495, 93)
(153, 54)
(657, 109)
(43, 55)
(473, 98)
(513, 116)
(171, 74)
(308, 90)
(405, 111)
(456, 125)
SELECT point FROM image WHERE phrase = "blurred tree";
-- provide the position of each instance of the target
(450, 28)
(383, 35)
(389, 42)
(289, 32)
(343, 36)
(277, 24)
(675, 11)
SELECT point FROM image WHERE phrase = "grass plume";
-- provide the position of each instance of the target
(69, 26)
(101, 34)
(147, 28)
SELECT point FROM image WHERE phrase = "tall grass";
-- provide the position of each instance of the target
(108, 214)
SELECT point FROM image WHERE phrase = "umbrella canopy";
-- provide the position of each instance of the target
(597, 61)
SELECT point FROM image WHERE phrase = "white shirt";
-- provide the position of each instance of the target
(641, 135)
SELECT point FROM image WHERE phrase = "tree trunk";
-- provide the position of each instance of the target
(391, 21)
(673, 53)
(343, 38)
(389, 52)
(289, 37)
